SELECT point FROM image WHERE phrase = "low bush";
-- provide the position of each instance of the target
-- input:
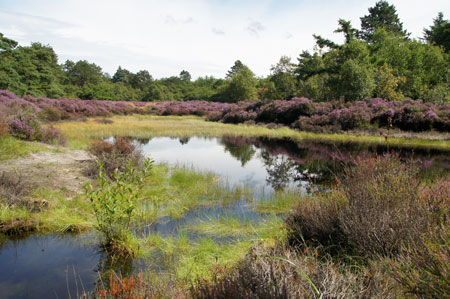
(115, 155)
(114, 201)
(25, 125)
(424, 268)
(315, 223)
(14, 190)
(282, 273)
(51, 134)
(383, 208)
(407, 115)
(3, 128)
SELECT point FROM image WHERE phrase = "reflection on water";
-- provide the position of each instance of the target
(43, 266)
(266, 164)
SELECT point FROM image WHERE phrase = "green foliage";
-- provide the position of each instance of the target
(282, 82)
(235, 69)
(29, 70)
(82, 73)
(382, 15)
(357, 81)
(185, 76)
(439, 32)
(241, 87)
(114, 201)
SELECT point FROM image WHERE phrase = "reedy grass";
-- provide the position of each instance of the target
(57, 215)
(278, 202)
(202, 257)
(228, 226)
(173, 191)
(79, 134)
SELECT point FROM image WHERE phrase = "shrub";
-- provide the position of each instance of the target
(25, 126)
(281, 273)
(424, 269)
(315, 222)
(51, 134)
(3, 128)
(114, 202)
(383, 206)
(115, 155)
(51, 113)
(14, 191)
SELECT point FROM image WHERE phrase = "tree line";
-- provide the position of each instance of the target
(377, 60)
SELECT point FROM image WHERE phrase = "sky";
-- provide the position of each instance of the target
(204, 37)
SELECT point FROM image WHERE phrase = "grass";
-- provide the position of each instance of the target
(56, 213)
(191, 260)
(12, 147)
(80, 134)
(229, 226)
(278, 202)
(173, 191)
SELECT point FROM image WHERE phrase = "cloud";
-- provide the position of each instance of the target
(255, 28)
(218, 31)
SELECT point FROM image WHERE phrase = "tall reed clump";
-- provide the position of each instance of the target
(383, 209)
(424, 269)
(114, 202)
(115, 155)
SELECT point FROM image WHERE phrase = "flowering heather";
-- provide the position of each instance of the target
(299, 113)
(25, 126)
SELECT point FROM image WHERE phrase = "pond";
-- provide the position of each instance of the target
(43, 266)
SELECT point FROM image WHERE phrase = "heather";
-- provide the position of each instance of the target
(381, 233)
(299, 113)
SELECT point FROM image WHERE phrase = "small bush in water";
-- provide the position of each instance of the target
(114, 203)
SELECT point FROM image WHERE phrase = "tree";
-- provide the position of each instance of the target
(356, 81)
(235, 69)
(82, 72)
(283, 78)
(7, 44)
(122, 75)
(185, 76)
(346, 27)
(140, 79)
(30, 70)
(242, 86)
(439, 32)
(382, 15)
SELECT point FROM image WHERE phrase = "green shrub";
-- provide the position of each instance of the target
(114, 202)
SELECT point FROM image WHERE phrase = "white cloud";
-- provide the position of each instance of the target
(165, 37)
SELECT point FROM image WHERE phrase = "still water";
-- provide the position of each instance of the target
(59, 266)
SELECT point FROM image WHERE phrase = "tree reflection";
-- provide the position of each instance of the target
(184, 140)
(280, 169)
(242, 151)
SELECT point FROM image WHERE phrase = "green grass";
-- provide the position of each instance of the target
(172, 192)
(229, 226)
(278, 202)
(80, 134)
(11, 147)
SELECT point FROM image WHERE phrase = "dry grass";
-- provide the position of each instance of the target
(81, 133)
